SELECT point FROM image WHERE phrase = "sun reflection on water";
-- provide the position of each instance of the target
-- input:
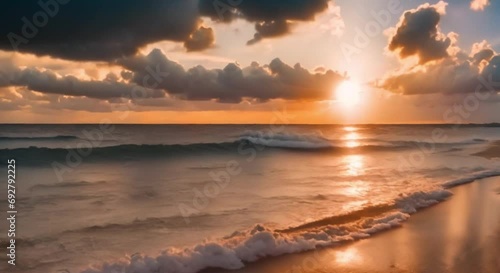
(352, 144)
(348, 256)
(354, 168)
(350, 129)
(351, 138)
(355, 164)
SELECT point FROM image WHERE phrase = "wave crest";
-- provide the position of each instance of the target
(249, 246)
(283, 140)
(241, 247)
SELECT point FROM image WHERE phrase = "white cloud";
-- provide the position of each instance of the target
(479, 5)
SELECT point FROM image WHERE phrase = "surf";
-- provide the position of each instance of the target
(242, 247)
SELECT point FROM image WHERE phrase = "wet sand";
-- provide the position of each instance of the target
(492, 152)
(460, 235)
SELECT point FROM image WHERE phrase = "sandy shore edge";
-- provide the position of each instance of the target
(460, 235)
(492, 152)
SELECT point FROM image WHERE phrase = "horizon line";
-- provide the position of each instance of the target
(336, 124)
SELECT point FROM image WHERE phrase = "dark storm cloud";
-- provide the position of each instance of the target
(107, 30)
(271, 16)
(96, 30)
(418, 34)
(232, 83)
(200, 39)
(264, 10)
(269, 29)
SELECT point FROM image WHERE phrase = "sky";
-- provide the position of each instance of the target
(250, 61)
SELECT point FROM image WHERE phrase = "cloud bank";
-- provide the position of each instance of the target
(442, 67)
(108, 30)
(153, 76)
(232, 84)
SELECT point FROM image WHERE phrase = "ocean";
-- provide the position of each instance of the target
(183, 198)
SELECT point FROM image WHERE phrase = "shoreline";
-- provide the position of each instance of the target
(459, 235)
(493, 151)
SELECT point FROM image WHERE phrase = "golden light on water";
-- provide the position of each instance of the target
(352, 137)
(350, 129)
(352, 144)
(355, 167)
(355, 164)
(348, 256)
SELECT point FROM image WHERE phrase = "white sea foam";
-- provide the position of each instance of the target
(411, 203)
(471, 178)
(232, 252)
(248, 246)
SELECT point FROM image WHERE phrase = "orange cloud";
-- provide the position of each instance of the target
(479, 5)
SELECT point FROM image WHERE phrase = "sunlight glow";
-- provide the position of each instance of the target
(348, 93)
(350, 129)
(352, 138)
(348, 256)
(355, 167)
(352, 144)
(354, 164)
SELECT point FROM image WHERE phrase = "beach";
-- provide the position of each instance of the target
(492, 152)
(459, 235)
(236, 197)
(250, 136)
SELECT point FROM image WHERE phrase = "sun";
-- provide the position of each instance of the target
(348, 93)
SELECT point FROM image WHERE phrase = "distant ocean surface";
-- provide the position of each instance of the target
(183, 198)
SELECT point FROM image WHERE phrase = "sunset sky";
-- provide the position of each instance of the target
(250, 61)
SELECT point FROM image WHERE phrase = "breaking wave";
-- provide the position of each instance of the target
(232, 252)
(242, 247)
(251, 140)
(297, 141)
(35, 155)
(471, 178)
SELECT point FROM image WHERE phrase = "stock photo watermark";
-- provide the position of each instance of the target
(456, 116)
(11, 211)
(40, 19)
(223, 7)
(220, 180)
(93, 138)
(380, 21)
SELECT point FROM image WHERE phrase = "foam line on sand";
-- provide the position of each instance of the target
(461, 235)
